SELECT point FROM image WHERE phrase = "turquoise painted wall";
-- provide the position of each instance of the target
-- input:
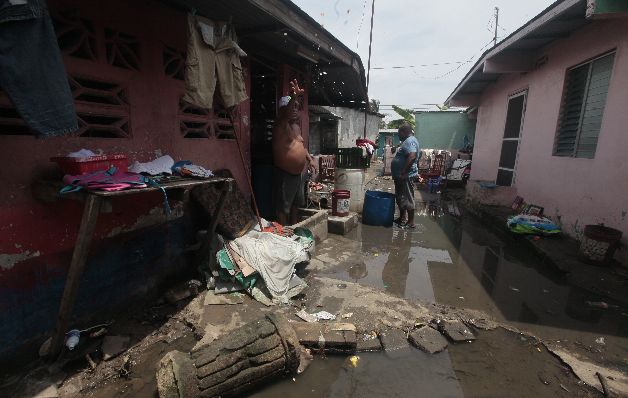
(381, 141)
(444, 130)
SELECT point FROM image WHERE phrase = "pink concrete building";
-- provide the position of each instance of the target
(552, 126)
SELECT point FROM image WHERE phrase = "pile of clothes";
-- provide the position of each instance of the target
(264, 263)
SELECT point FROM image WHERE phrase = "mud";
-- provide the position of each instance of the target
(388, 281)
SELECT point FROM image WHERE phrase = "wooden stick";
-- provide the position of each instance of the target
(77, 265)
(603, 383)
(246, 171)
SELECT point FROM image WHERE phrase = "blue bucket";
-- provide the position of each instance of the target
(379, 208)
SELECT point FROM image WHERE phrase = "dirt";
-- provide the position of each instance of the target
(390, 281)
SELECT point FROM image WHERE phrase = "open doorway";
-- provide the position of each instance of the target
(264, 89)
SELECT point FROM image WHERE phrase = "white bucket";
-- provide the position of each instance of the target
(352, 180)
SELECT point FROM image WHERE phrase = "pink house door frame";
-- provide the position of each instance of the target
(515, 116)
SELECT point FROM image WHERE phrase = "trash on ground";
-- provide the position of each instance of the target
(347, 315)
(72, 338)
(324, 316)
(306, 317)
(600, 340)
(598, 304)
(514, 289)
(112, 346)
(354, 360)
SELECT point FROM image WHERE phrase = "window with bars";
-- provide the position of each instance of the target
(582, 108)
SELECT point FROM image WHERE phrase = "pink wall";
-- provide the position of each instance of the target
(576, 191)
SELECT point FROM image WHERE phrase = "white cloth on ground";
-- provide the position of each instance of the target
(161, 165)
(273, 256)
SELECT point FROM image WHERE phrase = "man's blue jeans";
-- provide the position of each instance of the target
(31, 68)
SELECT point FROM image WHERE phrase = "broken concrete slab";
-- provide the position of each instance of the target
(586, 371)
(428, 339)
(223, 287)
(455, 330)
(223, 299)
(369, 342)
(327, 336)
(393, 339)
(342, 225)
(112, 346)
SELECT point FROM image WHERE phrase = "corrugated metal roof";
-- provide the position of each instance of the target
(279, 31)
(321, 110)
(555, 22)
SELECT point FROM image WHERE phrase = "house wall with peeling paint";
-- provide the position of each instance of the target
(574, 191)
(135, 244)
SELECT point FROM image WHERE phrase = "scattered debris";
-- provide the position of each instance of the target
(347, 315)
(90, 362)
(514, 289)
(339, 337)
(305, 359)
(98, 333)
(227, 287)
(603, 383)
(324, 316)
(600, 340)
(353, 360)
(342, 286)
(455, 330)
(306, 317)
(393, 339)
(369, 342)
(112, 346)
(182, 291)
(428, 340)
(223, 299)
(125, 369)
(543, 379)
(72, 338)
(600, 304)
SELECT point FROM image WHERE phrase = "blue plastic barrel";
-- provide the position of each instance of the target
(379, 208)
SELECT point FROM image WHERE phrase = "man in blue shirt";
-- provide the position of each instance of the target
(404, 171)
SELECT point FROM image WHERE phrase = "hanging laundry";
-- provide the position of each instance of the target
(213, 57)
(31, 68)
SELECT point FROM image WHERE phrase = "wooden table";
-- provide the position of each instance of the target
(95, 201)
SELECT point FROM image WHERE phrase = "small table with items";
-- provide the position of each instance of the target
(95, 202)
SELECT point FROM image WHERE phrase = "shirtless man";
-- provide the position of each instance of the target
(291, 159)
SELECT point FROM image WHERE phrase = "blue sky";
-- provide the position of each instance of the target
(414, 32)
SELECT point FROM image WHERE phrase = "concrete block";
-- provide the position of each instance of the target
(315, 221)
(342, 225)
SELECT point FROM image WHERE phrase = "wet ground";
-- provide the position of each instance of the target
(451, 259)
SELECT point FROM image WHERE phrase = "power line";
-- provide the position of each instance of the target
(417, 66)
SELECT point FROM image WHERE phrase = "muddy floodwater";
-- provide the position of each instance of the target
(454, 259)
